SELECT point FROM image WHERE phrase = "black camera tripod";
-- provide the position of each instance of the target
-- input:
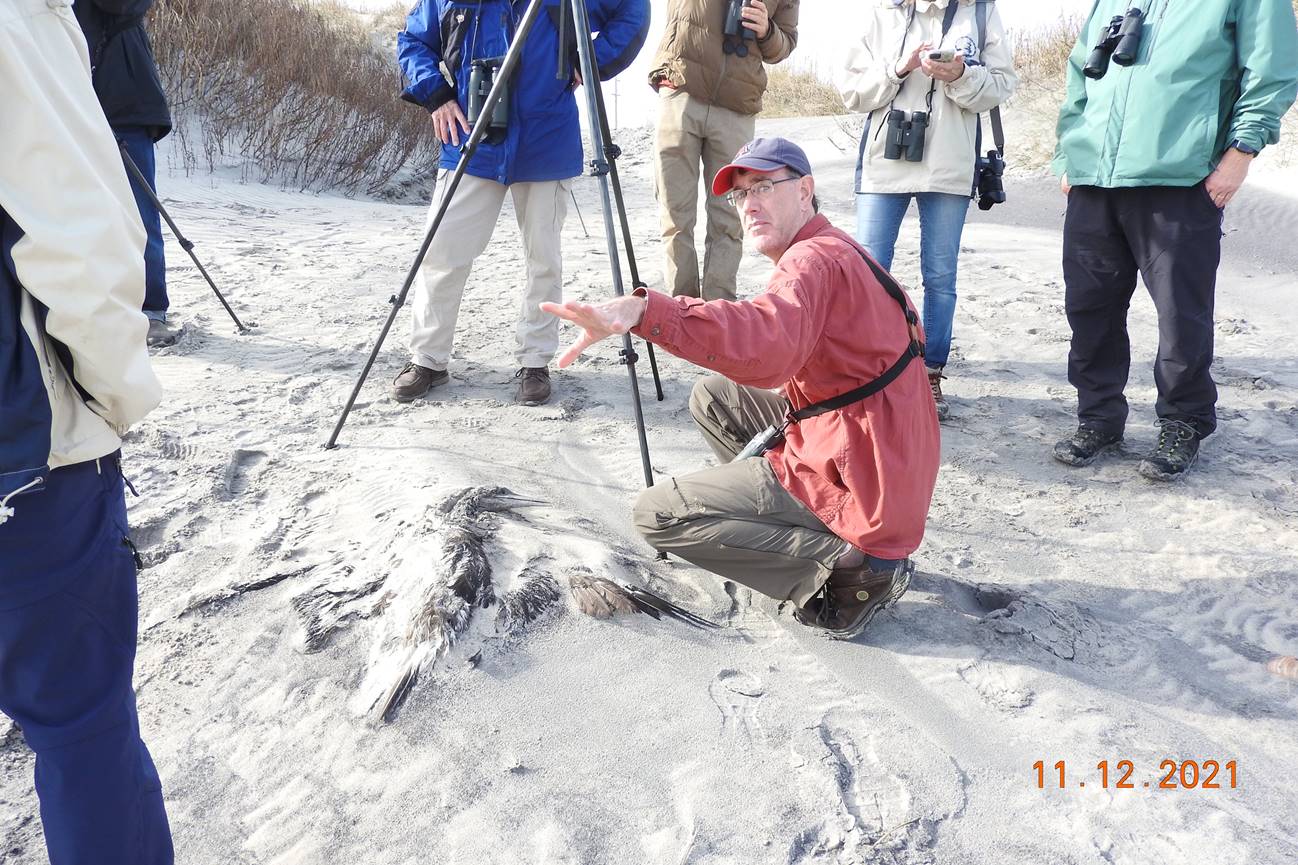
(602, 167)
(185, 243)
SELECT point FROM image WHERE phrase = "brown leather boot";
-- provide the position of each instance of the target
(935, 384)
(533, 385)
(848, 602)
(414, 381)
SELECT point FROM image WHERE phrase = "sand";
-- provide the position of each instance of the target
(1077, 615)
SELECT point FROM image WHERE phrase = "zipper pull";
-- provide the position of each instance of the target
(135, 553)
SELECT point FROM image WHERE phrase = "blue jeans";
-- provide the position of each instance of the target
(67, 651)
(941, 222)
(139, 143)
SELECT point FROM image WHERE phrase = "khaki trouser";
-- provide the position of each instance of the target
(463, 235)
(690, 132)
(736, 520)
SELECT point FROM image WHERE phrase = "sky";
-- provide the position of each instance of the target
(820, 40)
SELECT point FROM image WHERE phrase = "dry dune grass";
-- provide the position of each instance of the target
(306, 92)
(295, 88)
(799, 93)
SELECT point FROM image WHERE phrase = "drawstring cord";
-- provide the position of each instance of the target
(5, 511)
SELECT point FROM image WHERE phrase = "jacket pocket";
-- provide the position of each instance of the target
(456, 22)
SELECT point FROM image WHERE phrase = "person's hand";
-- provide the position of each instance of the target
(1064, 186)
(910, 63)
(1227, 177)
(597, 321)
(756, 18)
(948, 72)
(445, 119)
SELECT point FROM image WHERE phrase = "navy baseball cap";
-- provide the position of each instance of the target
(762, 154)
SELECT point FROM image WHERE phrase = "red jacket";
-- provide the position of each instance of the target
(824, 326)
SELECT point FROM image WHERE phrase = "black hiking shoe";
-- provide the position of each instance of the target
(414, 381)
(161, 334)
(851, 598)
(935, 384)
(533, 385)
(1083, 446)
(1176, 451)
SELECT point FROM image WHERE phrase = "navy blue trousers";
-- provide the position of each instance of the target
(139, 143)
(68, 618)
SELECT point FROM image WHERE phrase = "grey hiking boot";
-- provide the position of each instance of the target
(414, 381)
(533, 385)
(1176, 451)
(851, 598)
(1083, 446)
(161, 334)
(935, 384)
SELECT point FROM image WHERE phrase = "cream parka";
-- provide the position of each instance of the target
(74, 251)
(869, 83)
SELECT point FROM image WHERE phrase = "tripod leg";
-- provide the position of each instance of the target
(470, 147)
(613, 153)
(577, 208)
(590, 75)
(184, 242)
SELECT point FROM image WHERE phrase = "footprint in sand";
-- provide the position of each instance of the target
(995, 686)
(736, 694)
(868, 807)
(241, 473)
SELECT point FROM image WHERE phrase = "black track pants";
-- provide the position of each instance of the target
(1172, 237)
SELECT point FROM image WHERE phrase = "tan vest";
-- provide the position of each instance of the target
(691, 56)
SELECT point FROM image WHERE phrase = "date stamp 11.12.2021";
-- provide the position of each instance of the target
(1123, 775)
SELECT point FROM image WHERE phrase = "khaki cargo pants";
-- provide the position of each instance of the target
(691, 132)
(465, 231)
(735, 519)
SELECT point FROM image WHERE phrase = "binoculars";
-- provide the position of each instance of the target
(482, 77)
(991, 189)
(734, 29)
(905, 135)
(1120, 40)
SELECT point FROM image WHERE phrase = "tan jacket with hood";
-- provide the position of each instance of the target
(691, 56)
(869, 83)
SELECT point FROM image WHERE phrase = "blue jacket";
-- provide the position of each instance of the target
(543, 138)
(24, 405)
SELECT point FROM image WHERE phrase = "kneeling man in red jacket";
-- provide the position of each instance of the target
(825, 511)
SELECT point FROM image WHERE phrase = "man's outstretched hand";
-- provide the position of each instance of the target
(597, 321)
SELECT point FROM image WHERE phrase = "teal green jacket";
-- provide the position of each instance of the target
(1208, 72)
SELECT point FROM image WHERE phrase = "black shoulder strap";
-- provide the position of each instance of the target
(998, 132)
(913, 350)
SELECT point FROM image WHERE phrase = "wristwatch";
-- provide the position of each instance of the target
(1244, 148)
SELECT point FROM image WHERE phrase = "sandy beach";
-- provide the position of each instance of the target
(1074, 615)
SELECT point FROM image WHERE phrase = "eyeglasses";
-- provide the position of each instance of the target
(760, 189)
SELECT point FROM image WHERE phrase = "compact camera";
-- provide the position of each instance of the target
(734, 29)
(1120, 40)
(482, 77)
(943, 55)
(905, 135)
